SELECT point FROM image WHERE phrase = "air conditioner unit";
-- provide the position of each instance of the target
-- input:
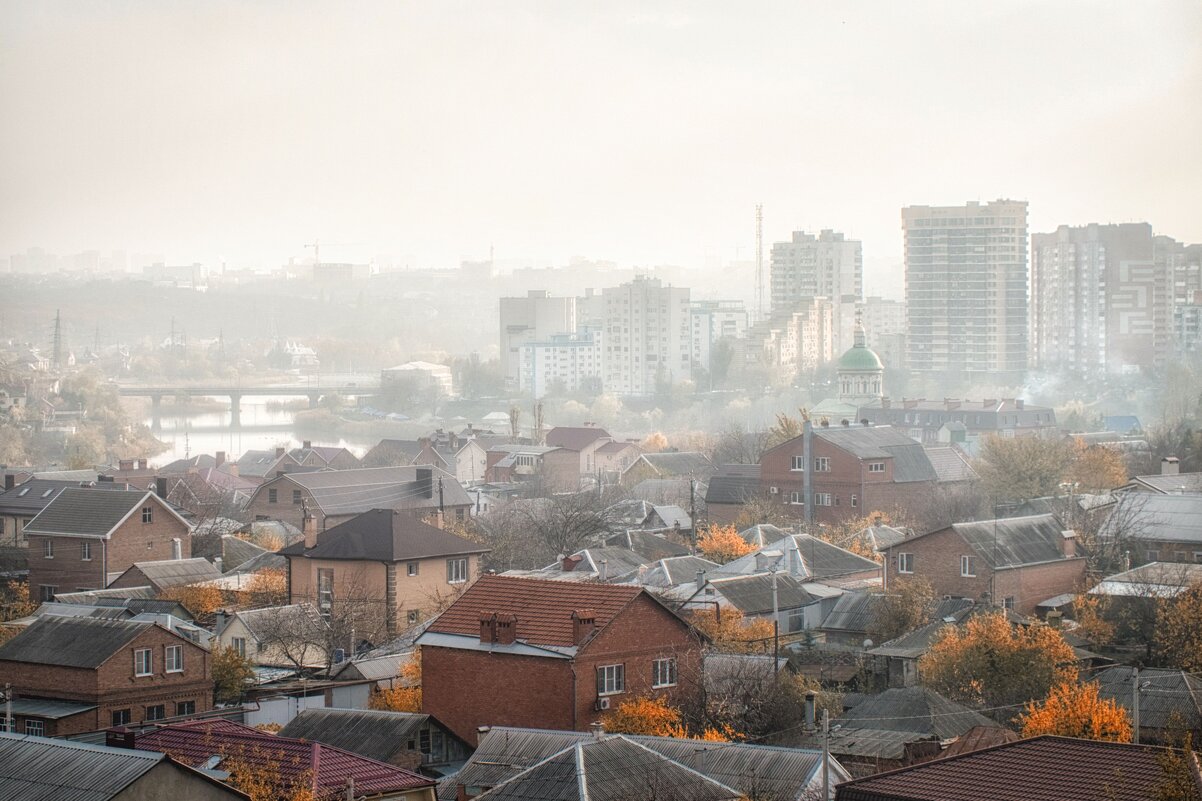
(602, 703)
(773, 490)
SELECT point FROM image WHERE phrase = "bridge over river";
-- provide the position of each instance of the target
(313, 391)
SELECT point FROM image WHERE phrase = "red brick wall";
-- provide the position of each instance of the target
(66, 570)
(135, 541)
(113, 686)
(1029, 586)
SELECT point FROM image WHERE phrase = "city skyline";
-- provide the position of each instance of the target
(645, 136)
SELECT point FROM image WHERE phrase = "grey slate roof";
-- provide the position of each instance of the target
(43, 769)
(374, 734)
(575, 438)
(36, 494)
(759, 770)
(49, 710)
(1014, 541)
(649, 545)
(680, 463)
(235, 551)
(340, 492)
(1148, 516)
(914, 644)
(615, 768)
(910, 461)
(167, 573)
(732, 489)
(113, 594)
(752, 594)
(856, 611)
(950, 465)
(1168, 699)
(86, 511)
(913, 709)
(874, 743)
(384, 535)
(678, 570)
(1166, 485)
(297, 617)
(802, 556)
(80, 642)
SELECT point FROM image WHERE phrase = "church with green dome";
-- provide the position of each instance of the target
(861, 381)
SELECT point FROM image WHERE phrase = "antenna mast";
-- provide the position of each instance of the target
(58, 339)
(759, 262)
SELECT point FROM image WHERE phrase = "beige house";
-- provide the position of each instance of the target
(276, 636)
(382, 557)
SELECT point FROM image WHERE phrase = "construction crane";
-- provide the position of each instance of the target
(316, 245)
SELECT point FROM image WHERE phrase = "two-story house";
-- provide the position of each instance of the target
(21, 502)
(324, 456)
(383, 556)
(85, 538)
(834, 473)
(335, 496)
(77, 674)
(1016, 562)
(552, 655)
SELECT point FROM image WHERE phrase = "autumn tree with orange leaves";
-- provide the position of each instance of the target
(657, 718)
(990, 663)
(1076, 710)
(407, 697)
(256, 772)
(201, 600)
(730, 631)
(267, 588)
(722, 544)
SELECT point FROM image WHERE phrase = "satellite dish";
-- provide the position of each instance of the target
(867, 644)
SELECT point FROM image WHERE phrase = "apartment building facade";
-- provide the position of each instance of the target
(646, 330)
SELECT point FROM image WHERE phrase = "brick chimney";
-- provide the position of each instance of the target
(488, 627)
(143, 464)
(584, 623)
(220, 458)
(1068, 543)
(886, 403)
(507, 629)
(280, 451)
(1170, 466)
(232, 469)
(307, 444)
(160, 486)
(570, 563)
(424, 482)
(309, 527)
(1019, 404)
(177, 548)
(10, 481)
(119, 737)
(125, 464)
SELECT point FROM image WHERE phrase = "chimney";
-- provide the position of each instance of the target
(160, 486)
(1068, 543)
(810, 698)
(279, 451)
(700, 579)
(425, 482)
(605, 570)
(598, 731)
(10, 481)
(1019, 404)
(864, 422)
(1170, 466)
(177, 549)
(569, 563)
(232, 469)
(217, 562)
(1053, 618)
(584, 623)
(507, 629)
(218, 622)
(309, 527)
(423, 442)
(220, 458)
(119, 737)
(143, 464)
(989, 403)
(307, 444)
(488, 627)
(125, 464)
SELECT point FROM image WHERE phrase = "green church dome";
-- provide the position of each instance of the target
(860, 357)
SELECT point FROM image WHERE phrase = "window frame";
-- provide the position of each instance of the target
(273, 495)
(664, 668)
(797, 464)
(325, 588)
(121, 717)
(412, 568)
(968, 566)
(85, 551)
(147, 514)
(156, 712)
(138, 672)
(239, 646)
(611, 676)
(185, 708)
(297, 498)
(876, 467)
(48, 548)
(452, 570)
(178, 650)
(905, 563)
(37, 728)
(822, 464)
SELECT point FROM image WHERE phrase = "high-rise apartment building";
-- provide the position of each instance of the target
(826, 265)
(884, 323)
(1103, 297)
(713, 320)
(966, 289)
(533, 318)
(562, 363)
(646, 333)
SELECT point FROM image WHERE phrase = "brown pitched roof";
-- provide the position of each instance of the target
(575, 438)
(543, 608)
(1038, 769)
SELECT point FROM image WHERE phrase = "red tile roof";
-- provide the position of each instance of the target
(1037, 769)
(543, 608)
(326, 768)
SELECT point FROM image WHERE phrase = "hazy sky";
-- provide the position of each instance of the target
(639, 132)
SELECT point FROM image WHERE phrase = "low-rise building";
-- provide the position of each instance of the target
(930, 421)
(406, 739)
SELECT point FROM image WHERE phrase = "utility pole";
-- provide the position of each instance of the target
(58, 339)
(441, 507)
(1135, 705)
(693, 512)
(826, 755)
(775, 626)
(8, 708)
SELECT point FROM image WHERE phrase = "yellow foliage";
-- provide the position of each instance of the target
(1089, 611)
(200, 599)
(655, 717)
(1178, 634)
(722, 544)
(230, 673)
(654, 442)
(255, 771)
(1096, 468)
(732, 632)
(15, 601)
(1075, 710)
(405, 698)
(268, 588)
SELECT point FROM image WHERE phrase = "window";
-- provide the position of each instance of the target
(411, 568)
(156, 712)
(174, 659)
(854, 502)
(120, 717)
(147, 514)
(412, 617)
(143, 662)
(325, 587)
(48, 591)
(823, 499)
(457, 570)
(876, 467)
(296, 497)
(459, 513)
(796, 498)
(48, 549)
(85, 552)
(273, 495)
(239, 646)
(905, 563)
(185, 708)
(1198, 556)
(1153, 555)
(611, 679)
(35, 727)
(822, 464)
(1008, 602)
(663, 673)
(797, 463)
(968, 566)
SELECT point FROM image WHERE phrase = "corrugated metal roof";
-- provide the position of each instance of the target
(1015, 541)
(913, 709)
(1148, 516)
(42, 769)
(50, 710)
(752, 594)
(370, 733)
(85, 511)
(384, 535)
(732, 489)
(341, 492)
(1168, 699)
(71, 641)
(167, 573)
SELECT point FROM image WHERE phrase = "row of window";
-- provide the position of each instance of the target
(611, 679)
(274, 494)
(457, 570)
(968, 564)
(122, 717)
(821, 499)
(85, 550)
(822, 464)
(173, 660)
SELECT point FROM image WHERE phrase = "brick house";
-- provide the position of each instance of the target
(76, 674)
(1018, 562)
(553, 655)
(87, 537)
(324, 456)
(849, 471)
(382, 556)
(335, 496)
